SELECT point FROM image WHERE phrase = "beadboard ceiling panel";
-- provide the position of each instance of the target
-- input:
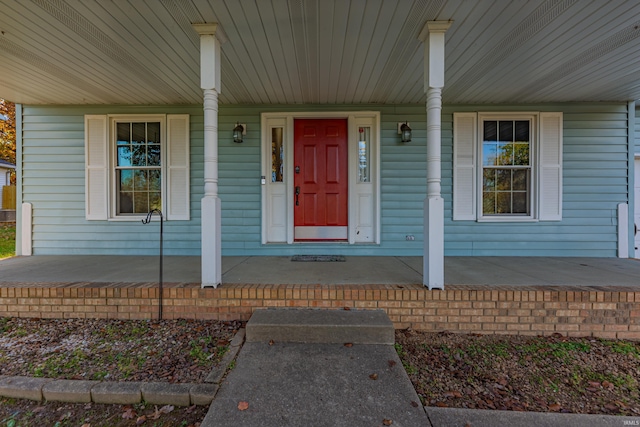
(318, 51)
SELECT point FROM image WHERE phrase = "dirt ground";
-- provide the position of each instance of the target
(521, 373)
(506, 372)
(180, 351)
(27, 413)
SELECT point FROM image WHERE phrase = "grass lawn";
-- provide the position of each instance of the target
(7, 241)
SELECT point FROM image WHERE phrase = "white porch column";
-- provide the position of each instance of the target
(210, 38)
(432, 36)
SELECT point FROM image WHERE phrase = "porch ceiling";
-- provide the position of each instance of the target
(318, 51)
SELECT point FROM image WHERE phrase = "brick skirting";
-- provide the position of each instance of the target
(608, 312)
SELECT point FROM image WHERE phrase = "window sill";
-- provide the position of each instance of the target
(507, 219)
(134, 218)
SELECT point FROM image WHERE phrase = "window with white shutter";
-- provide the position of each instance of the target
(507, 166)
(137, 163)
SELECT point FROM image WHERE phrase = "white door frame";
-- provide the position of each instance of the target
(278, 198)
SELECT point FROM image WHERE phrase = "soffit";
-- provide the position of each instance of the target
(318, 51)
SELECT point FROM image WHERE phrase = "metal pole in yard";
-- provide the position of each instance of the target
(147, 221)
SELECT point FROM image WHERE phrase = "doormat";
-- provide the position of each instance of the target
(318, 258)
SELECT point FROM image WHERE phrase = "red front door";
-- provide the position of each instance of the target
(321, 181)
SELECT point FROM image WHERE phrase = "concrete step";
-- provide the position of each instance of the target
(320, 326)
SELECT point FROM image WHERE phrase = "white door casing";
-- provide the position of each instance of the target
(278, 197)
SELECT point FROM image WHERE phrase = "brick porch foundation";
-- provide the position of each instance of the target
(608, 312)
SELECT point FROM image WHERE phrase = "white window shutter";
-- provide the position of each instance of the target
(178, 167)
(465, 132)
(96, 167)
(550, 178)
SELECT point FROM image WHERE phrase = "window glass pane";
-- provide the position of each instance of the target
(124, 155)
(505, 154)
(125, 180)
(488, 203)
(153, 132)
(123, 133)
(140, 180)
(522, 131)
(155, 201)
(490, 131)
(139, 155)
(125, 204)
(503, 179)
(153, 155)
(506, 131)
(503, 202)
(277, 155)
(489, 153)
(520, 203)
(520, 180)
(138, 133)
(155, 180)
(489, 180)
(521, 154)
(141, 202)
(364, 154)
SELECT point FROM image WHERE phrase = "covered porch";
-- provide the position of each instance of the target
(184, 271)
(500, 295)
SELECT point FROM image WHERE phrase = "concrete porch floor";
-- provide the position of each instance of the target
(130, 271)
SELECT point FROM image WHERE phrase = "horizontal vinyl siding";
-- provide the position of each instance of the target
(54, 181)
(594, 178)
(594, 182)
(637, 131)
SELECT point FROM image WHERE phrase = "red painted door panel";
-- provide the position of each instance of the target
(321, 179)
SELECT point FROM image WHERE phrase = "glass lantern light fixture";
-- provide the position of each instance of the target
(238, 132)
(405, 131)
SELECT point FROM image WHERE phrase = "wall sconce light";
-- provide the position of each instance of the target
(238, 132)
(405, 130)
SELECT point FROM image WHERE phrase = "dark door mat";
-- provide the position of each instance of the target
(318, 258)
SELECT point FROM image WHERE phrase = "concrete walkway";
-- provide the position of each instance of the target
(332, 384)
(293, 384)
(185, 271)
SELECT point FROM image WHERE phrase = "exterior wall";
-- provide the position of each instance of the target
(595, 181)
(53, 181)
(595, 158)
(637, 131)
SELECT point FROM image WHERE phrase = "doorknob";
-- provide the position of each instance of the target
(297, 194)
(297, 169)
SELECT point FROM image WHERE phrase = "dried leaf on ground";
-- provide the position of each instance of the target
(176, 351)
(523, 373)
(243, 406)
(129, 414)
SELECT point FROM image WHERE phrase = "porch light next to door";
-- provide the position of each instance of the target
(238, 132)
(405, 130)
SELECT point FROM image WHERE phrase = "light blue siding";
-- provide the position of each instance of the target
(594, 179)
(637, 130)
(54, 182)
(594, 182)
